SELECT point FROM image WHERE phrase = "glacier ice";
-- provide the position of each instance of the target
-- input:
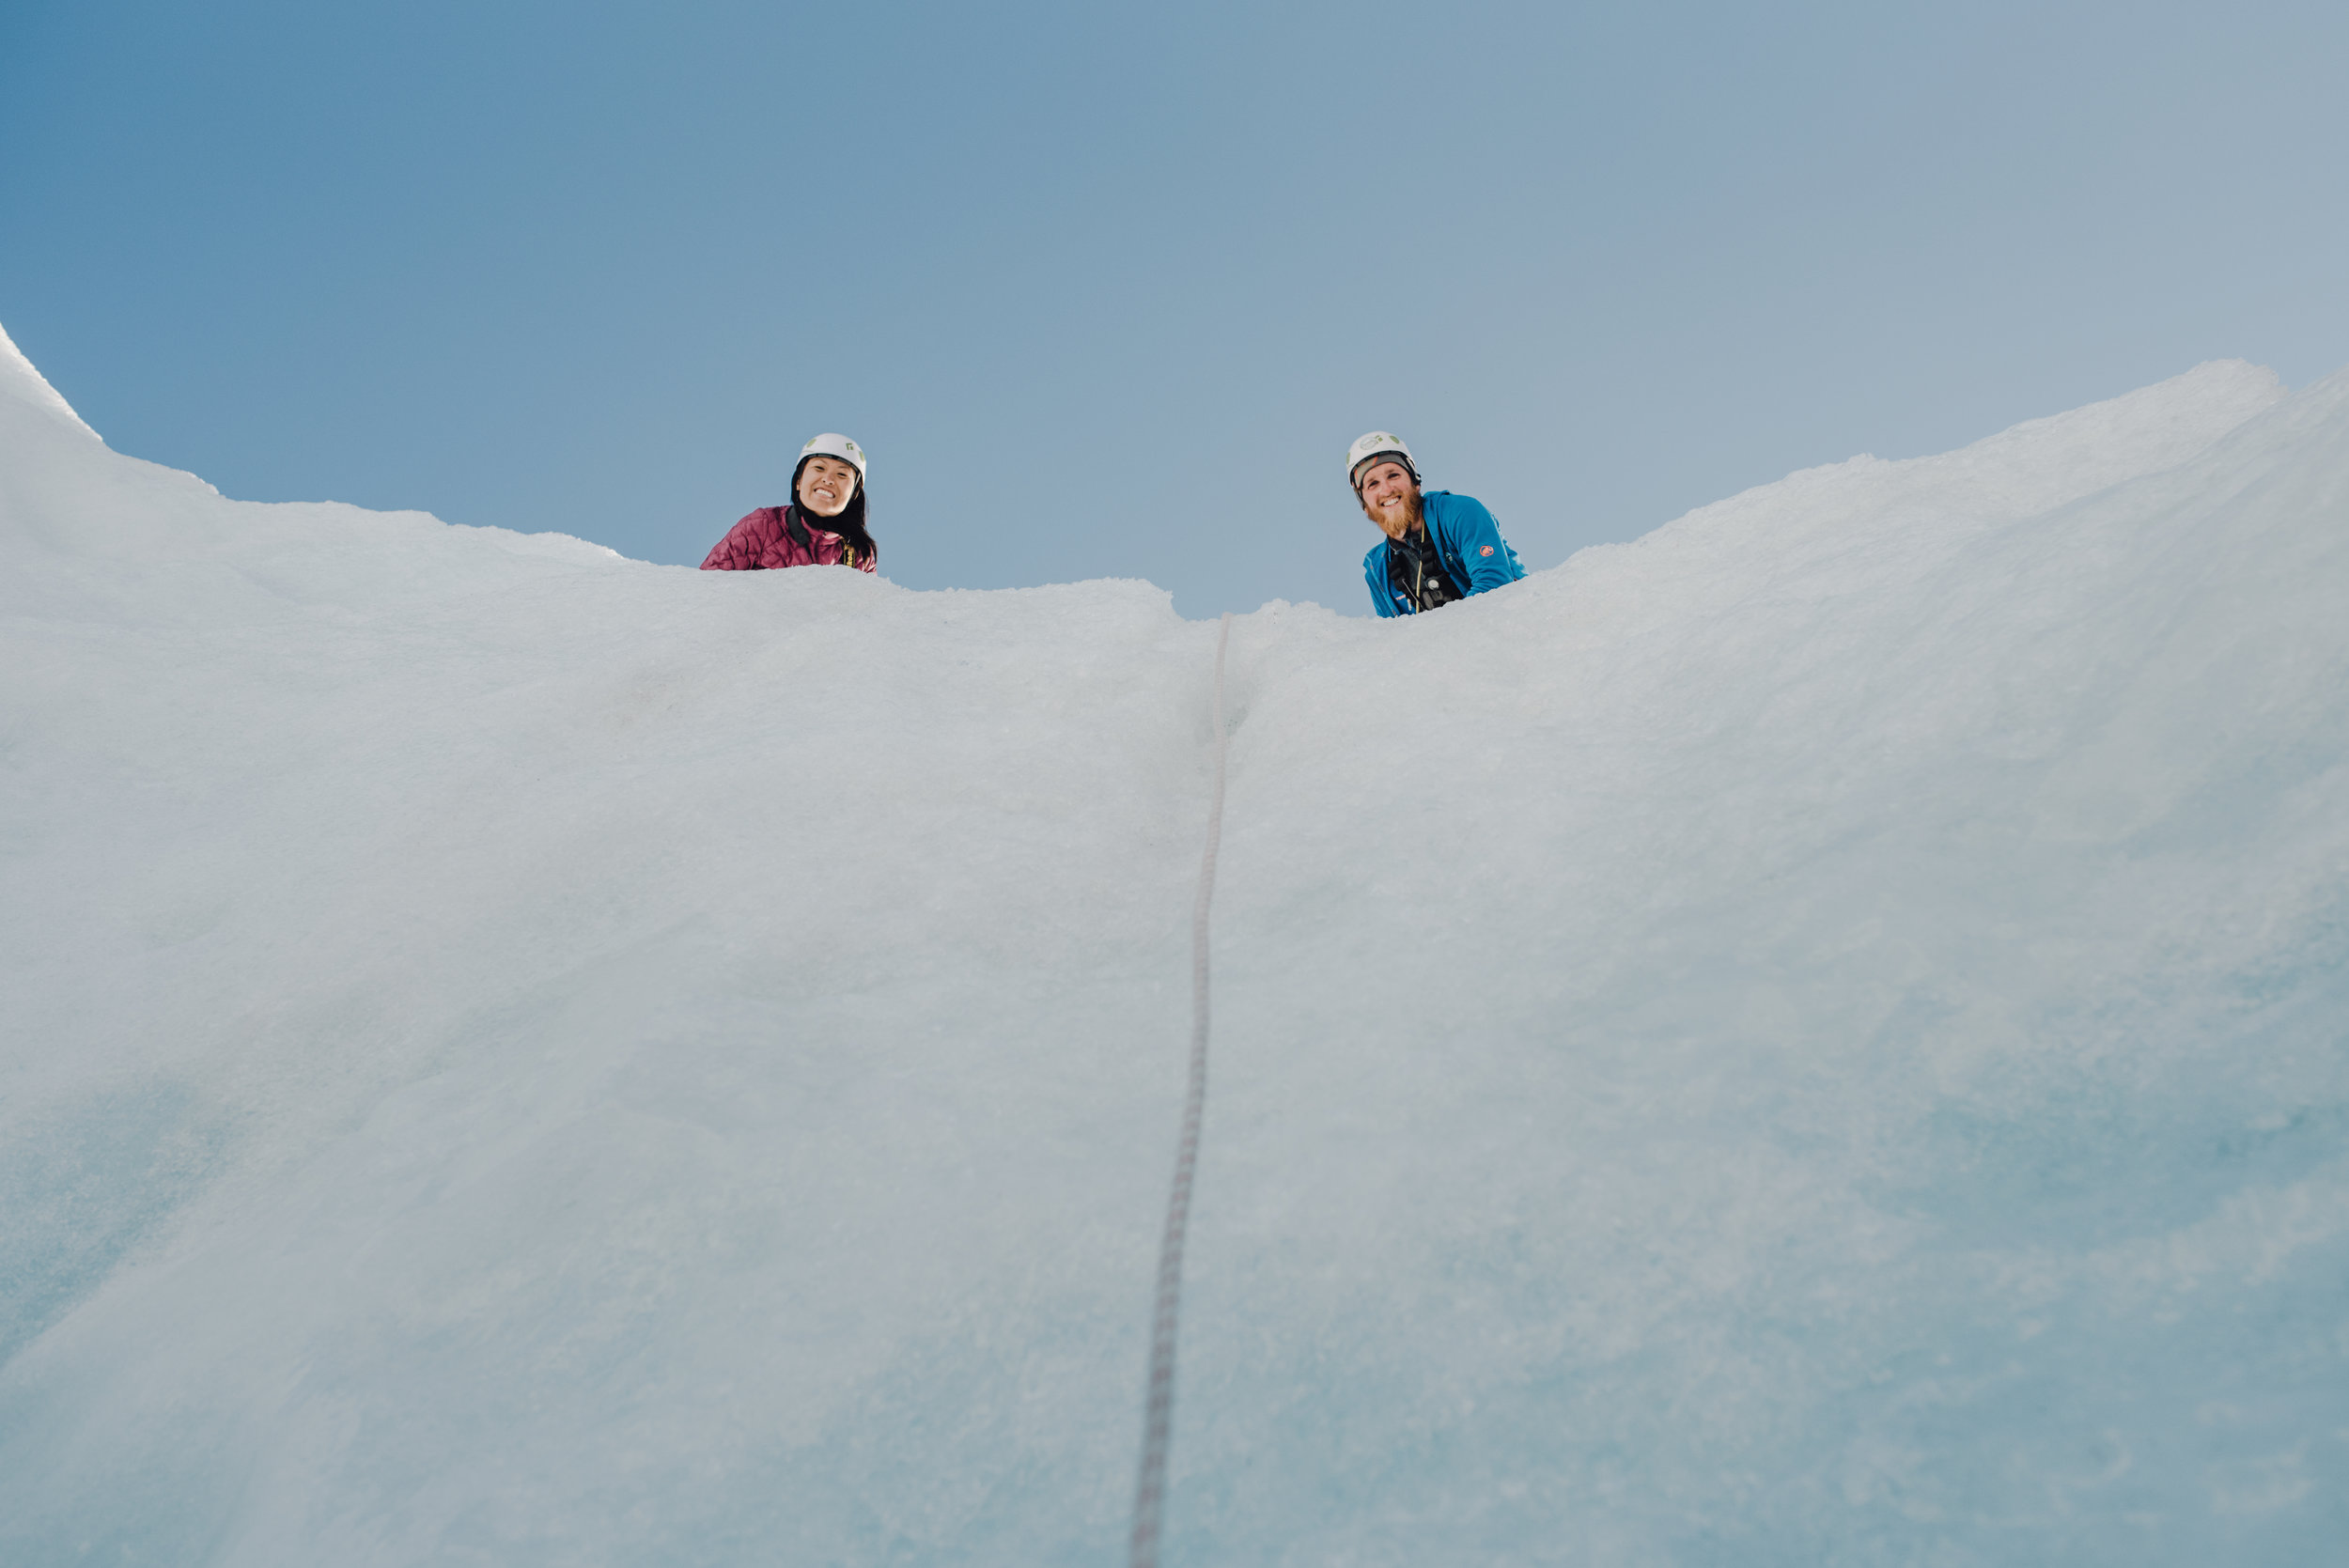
(1817, 1036)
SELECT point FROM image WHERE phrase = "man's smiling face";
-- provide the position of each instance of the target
(1391, 497)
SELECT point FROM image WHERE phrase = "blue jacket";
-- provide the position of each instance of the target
(1467, 538)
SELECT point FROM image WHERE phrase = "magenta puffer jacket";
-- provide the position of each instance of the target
(763, 542)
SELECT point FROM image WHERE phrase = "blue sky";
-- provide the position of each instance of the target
(1107, 290)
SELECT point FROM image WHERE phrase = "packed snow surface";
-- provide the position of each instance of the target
(1817, 1037)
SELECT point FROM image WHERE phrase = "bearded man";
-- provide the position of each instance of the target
(1438, 547)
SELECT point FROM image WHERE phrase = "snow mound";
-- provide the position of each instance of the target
(1816, 1036)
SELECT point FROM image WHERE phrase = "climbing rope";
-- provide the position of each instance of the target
(1158, 1411)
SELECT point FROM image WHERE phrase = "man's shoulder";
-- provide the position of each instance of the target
(1457, 519)
(1446, 504)
(1376, 553)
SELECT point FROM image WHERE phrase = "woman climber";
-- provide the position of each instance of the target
(823, 526)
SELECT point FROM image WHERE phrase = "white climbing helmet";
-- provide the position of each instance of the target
(831, 443)
(1378, 444)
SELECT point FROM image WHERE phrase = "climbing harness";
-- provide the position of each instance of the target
(1158, 1414)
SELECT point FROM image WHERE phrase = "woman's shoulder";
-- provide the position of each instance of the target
(760, 520)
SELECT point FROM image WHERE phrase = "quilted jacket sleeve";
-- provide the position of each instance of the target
(743, 546)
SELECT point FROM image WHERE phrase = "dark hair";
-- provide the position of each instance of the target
(849, 524)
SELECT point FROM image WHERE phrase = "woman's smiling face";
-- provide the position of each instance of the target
(827, 484)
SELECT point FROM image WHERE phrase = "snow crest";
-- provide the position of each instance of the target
(1814, 1036)
(21, 383)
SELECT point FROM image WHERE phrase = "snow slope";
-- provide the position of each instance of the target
(1820, 1036)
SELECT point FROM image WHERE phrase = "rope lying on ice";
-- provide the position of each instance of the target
(1157, 1415)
